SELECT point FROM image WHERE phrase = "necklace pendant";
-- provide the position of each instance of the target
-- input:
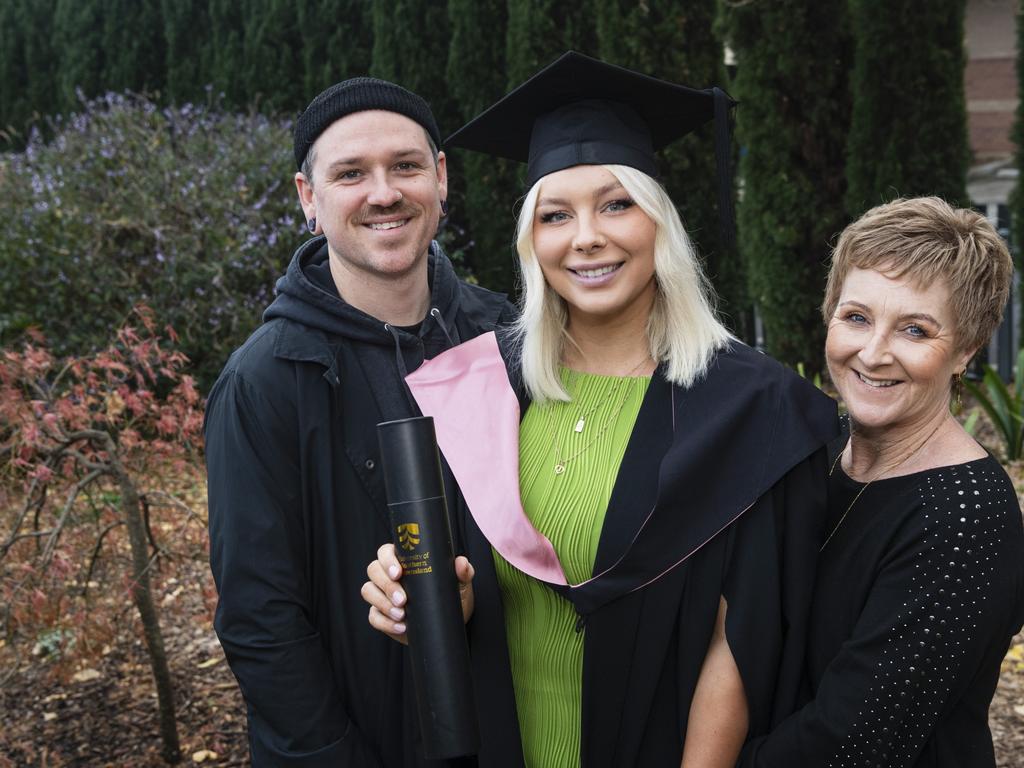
(559, 467)
(580, 425)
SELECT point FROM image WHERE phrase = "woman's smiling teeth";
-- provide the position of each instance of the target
(877, 383)
(598, 272)
(383, 225)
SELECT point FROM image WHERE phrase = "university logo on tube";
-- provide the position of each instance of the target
(408, 535)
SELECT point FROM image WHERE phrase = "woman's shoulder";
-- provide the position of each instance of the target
(968, 502)
(763, 373)
(959, 479)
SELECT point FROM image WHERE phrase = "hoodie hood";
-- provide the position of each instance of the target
(303, 299)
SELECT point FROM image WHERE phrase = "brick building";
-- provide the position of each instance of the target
(990, 84)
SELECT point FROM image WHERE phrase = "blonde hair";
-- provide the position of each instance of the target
(683, 330)
(926, 239)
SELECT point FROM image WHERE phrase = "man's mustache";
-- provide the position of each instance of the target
(374, 212)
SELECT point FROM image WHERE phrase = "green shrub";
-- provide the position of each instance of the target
(1003, 405)
(190, 210)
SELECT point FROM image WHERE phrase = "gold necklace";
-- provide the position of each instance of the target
(864, 487)
(581, 422)
(623, 385)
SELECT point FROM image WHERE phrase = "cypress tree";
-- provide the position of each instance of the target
(410, 47)
(78, 37)
(541, 30)
(227, 63)
(793, 116)
(28, 75)
(133, 44)
(13, 107)
(271, 64)
(186, 25)
(482, 189)
(337, 41)
(34, 19)
(908, 134)
(677, 42)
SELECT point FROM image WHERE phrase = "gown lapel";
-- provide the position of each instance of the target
(607, 656)
(636, 485)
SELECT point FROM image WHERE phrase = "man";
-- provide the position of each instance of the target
(297, 503)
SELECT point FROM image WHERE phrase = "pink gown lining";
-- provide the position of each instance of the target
(476, 417)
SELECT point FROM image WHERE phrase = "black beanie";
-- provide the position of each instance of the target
(357, 95)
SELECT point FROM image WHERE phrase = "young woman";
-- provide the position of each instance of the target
(644, 539)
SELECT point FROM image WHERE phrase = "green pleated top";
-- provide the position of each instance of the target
(545, 650)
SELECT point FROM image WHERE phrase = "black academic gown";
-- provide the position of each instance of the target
(734, 469)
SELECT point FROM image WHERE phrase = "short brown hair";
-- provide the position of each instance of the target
(927, 239)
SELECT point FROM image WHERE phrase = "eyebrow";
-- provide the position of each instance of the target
(609, 187)
(347, 162)
(912, 316)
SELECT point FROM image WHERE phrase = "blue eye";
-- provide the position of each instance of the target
(916, 331)
(620, 205)
(856, 317)
(553, 216)
(350, 175)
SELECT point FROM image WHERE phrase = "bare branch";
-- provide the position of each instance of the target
(21, 517)
(18, 537)
(51, 543)
(61, 373)
(43, 394)
(165, 499)
(84, 461)
(144, 502)
(89, 434)
(96, 553)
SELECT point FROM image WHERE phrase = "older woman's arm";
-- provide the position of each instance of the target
(717, 724)
(948, 597)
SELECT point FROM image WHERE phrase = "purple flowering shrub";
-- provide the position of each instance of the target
(189, 209)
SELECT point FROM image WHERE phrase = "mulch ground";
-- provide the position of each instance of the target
(104, 713)
(1006, 716)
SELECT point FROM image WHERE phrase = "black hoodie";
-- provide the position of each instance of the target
(297, 511)
(307, 295)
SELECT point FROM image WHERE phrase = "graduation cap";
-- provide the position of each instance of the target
(582, 111)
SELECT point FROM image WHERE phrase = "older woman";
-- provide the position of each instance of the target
(629, 535)
(921, 580)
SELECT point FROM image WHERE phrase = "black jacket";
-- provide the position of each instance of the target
(297, 510)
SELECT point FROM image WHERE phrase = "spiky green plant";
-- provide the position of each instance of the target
(1003, 405)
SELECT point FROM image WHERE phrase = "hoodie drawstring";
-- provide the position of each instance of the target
(400, 360)
(436, 314)
(402, 370)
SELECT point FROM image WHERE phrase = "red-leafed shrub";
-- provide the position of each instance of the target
(83, 444)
